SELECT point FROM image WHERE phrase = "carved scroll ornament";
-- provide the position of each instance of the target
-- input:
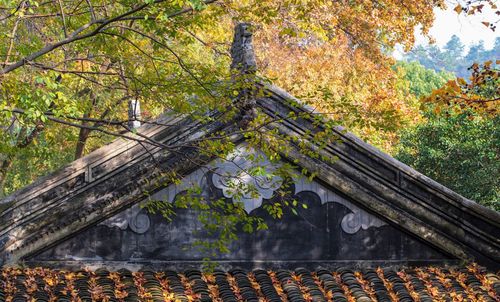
(233, 173)
(135, 217)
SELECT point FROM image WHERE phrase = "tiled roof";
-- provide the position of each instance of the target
(412, 284)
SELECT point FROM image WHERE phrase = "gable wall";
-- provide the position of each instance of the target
(45, 213)
(332, 231)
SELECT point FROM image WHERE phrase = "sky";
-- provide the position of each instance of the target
(469, 29)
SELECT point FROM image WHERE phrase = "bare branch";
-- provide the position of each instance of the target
(45, 67)
(18, 7)
(63, 18)
(91, 9)
(13, 36)
(179, 59)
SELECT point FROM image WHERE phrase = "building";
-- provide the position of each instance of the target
(365, 210)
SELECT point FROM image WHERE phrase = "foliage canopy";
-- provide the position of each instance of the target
(73, 66)
(70, 70)
(458, 150)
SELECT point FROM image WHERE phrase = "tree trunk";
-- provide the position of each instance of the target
(4, 168)
(82, 139)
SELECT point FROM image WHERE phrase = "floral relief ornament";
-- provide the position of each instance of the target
(232, 175)
(234, 178)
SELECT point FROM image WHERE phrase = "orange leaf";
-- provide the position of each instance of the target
(458, 9)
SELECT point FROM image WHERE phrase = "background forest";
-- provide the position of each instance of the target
(71, 68)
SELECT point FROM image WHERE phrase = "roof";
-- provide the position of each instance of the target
(408, 284)
(115, 177)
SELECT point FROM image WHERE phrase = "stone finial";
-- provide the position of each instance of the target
(242, 49)
(244, 73)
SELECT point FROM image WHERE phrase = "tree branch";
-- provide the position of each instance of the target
(13, 35)
(76, 35)
(178, 58)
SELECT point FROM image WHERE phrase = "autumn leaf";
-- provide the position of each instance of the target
(458, 9)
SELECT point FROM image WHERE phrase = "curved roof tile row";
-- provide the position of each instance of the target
(468, 283)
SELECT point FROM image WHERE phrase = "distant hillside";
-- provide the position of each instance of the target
(452, 57)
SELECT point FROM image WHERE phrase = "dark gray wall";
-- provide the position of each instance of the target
(312, 238)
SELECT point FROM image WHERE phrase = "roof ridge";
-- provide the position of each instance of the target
(486, 212)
